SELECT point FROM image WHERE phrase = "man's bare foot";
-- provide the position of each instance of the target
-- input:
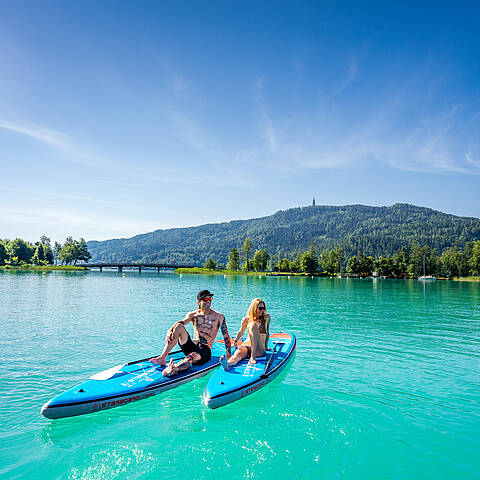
(224, 362)
(170, 370)
(252, 361)
(160, 360)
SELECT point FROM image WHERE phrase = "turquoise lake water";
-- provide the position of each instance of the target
(385, 383)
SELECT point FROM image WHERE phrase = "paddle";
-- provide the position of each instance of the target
(267, 366)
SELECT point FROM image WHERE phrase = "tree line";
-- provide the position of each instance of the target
(19, 252)
(408, 262)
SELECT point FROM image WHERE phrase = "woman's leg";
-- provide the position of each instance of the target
(253, 336)
(240, 354)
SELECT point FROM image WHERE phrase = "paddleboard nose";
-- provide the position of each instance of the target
(46, 411)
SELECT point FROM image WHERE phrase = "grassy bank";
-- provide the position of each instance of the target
(42, 268)
(467, 279)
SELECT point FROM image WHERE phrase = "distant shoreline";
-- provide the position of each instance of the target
(206, 271)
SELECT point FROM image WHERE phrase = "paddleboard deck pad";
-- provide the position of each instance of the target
(124, 384)
(242, 379)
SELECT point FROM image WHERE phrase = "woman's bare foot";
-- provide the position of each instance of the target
(224, 362)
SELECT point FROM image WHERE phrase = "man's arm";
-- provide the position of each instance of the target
(226, 336)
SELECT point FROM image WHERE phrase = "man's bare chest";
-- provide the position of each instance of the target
(206, 322)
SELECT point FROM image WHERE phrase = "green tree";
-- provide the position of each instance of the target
(20, 251)
(48, 254)
(39, 255)
(45, 240)
(260, 260)
(419, 255)
(333, 261)
(233, 260)
(246, 249)
(453, 262)
(45, 253)
(3, 254)
(474, 259)
(211, 264)
(366, 265)
(67, 253)
(73, 251)
(81, 251)
(56, 250)
(275, 263)
(353, 265)
(296, 264)
(401, 261)
(309, 262)
(285, 265)
(384, 266)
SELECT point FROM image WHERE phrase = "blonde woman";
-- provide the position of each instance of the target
(257, 321)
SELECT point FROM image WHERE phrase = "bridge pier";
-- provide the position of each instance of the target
(120, 269)
(101, 269)
(158, 269)
(139, 269)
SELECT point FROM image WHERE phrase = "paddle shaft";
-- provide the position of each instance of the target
(267, 366)
(148, 358)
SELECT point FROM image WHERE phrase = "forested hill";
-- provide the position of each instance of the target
(356, 228)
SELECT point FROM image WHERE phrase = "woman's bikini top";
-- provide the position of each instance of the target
(262, 327)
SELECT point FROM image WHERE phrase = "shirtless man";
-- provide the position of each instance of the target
(206, 323)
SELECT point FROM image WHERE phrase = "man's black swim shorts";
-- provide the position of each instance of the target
(195, 346)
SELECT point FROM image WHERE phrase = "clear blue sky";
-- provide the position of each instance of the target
(121, 117)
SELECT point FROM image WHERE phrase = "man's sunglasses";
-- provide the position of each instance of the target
(206, 299)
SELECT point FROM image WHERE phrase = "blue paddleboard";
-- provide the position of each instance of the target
(243, 379)
(125, 383)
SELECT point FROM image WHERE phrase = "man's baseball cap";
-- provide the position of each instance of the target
(203, 294)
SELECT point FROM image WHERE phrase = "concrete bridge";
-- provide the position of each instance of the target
(121, 266)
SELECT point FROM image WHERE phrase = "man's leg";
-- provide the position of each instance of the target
(177, 334)
(182, 365)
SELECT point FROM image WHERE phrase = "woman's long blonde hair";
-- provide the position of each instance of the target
(252, 310)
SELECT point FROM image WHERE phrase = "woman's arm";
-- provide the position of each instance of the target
(243, 326)
(267, 329)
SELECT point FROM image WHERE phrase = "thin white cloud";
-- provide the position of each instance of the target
(191, 135)
(73, 220)
(60, 141)
(267, 129)
(179, 82)
(388, 134)
(212, 156)
(471, 161)
(351, 76)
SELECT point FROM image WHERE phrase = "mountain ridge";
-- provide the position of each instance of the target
(356, 228)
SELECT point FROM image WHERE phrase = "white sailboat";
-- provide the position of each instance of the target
(424, 277)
